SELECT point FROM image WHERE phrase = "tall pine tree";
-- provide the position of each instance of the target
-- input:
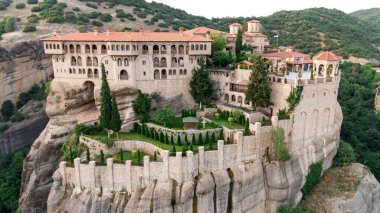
(105, 103)
(239, 44)
(201, 84)
(115, 119)
(258, 91)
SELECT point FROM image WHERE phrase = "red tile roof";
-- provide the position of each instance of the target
(254, 21)
(286, 55)
(327, 56)
(246, 62)
(204, 30)
(235, 24)
(128, 36)
(306, 61)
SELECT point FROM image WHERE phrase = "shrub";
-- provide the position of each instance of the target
(88, 4)
(3, 128)
(20, 6)
(312, 178)
(36, 9)
(164, 116)
(142, 105)
(97, 23)
(87, 130)
(71, 17)
(17, 117)
(284, 209)
(29, 28)
(32, 1)
(82, 18)
(76, 9)
(93, 15)
(33, 18)
(283, 115)
(82, 28)
(281, 152)
(7, 109)
(345, 154)
(106, 17)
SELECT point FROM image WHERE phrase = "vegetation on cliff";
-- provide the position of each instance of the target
(361, 127)
(371, 15)
(10, 180)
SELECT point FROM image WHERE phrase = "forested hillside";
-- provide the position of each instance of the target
(371, 15)
(309, 30)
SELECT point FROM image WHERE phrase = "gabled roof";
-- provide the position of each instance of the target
(203, 30)
(327, 56)
(286, 55)
(128, 36)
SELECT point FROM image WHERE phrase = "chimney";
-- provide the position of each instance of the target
(108, 30)
(96, 30)
(181, 31)
(208, 34)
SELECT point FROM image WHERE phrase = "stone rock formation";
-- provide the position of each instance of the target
(24, 65)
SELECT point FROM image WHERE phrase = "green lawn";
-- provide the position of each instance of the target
(136, 136)
(178, 125)
(225, 123)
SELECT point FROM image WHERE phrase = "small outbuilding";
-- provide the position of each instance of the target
(190, 123)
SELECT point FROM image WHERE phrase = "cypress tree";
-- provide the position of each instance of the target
(213, 138)
(156, 136)
(207, 139)
(193, 141)
(138, 129)
(246, 128)
(88, 155)
(183, 113)
(200, 139)
(146, 131)
(186, 140)
(162, 137)
(221, 135)
(239, 44)
(115, 118)
(105, 103)
(210, 143)
(191, 148)
(227, 115)
(121, 155)
(166, 138)
(152, 133)
(171, 139)
(102, 156)
(174, 150)
(179, 140)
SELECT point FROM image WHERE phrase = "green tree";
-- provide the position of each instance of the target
(201, 84)
(186, 140)
(239, 44)
(213, 138)
(164, 116)
(105, 103)
(221, 134)
(171, 139)
(88, 155)
(162, 137)
(221, 59)
(7, 109)
(312, 178)
(281, 152)
(207, 138)
(174, 149)
(200, 139)
(179, 143)
(258, 91)
(246, 128)
(345, 154)
(142, 105)
(121, 155)
(115, 118)
(102, 158)
(193, 140)
(218, 43)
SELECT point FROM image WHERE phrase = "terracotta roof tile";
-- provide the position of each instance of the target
(286, 55)
(203, 30)
(327, 56)
(128, 36)
(235, 24)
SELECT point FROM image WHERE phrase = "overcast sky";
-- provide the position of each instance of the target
(223, 8)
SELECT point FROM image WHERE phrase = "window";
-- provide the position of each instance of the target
(156, 74)
(123, 75)
(174, 72)
(144, 73)
(119, 62)
(144, 62)
(185, 71)
(205, 47)
(126, 62)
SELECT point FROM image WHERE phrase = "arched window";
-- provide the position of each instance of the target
(87, 48)
(126, 62)
(163, 49)
(73, 61)
(112, 47)
(145, 49)
(233, 98)
(181, 62)
(205, 47)
(90, 74)
(119, 62)
(163, 62)
(79, 61)
(88, 61)
(74, 71)
(123, 75)
(78, 49)
(330, 70)
(156, 49)
(156, 62)
(192, 47)
(83, 71)
(321, 70)
(104, 49)
(54, 46)
(122, 47)
(96, 73)
(134, 47)
(72, 48)
(65, 49)
(80, 71)
(170, 72)
(174, 72)
(173, 49)
(70, 71)
(240, 100)
(180, 72)
(174, 62)
(127, 47)
(181, 49)
(118, 47)
(226, 97)
(201, 47)
(156, 74)
(94, 49)
(197, 47)
(95, 61)
(163, 74)
(185, 71)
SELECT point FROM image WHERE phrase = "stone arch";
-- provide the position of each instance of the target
(227, 97)
(174, 72)
(181, 62)
(73, 61)
(192, 47)
(78, 48)
(103, 49)
(174, 62)
(71, 47)
(173, 49)
(181, 49)
(79, 61)
(185, 71)
(233, 98)
(197, 47)
(126, 62)
(156, 74)
(170, 72)
(156, 62)
(163, 49)
(164, 74)
(95, 61)
(145, 49)
(70, 71)
(123, 75)
(88, 61)
(163, 62)
(156, 49)
(94, 49)
(119, 62)
(90, 74)
(87, 49)
(240, 99)
(96, 73)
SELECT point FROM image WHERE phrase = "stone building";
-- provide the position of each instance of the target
(150, 61)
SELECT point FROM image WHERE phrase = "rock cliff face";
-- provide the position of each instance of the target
(22, 66)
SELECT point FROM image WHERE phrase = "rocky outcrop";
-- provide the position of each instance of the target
(22, 66)
(366, 198)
